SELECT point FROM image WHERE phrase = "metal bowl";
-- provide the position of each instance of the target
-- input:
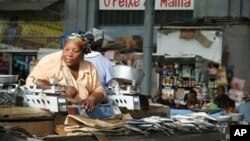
(8, 79)
(127, 74)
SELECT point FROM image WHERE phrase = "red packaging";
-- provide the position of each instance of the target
(236, 95)
(238, 83)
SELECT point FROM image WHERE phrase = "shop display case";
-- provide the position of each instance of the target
(186, 73)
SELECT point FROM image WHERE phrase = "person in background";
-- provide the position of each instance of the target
(244, 109)
(191, 99)
(76, 78)
(222, 100)
(102, 64)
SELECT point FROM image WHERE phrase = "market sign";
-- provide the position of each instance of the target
(140, 4)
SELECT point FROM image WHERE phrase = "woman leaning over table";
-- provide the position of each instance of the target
(76, 77)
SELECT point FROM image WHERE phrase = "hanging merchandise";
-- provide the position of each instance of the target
(221, 77)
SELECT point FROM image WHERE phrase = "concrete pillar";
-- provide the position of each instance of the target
(236, 40)
(235, 8)
(82, 10)
(75, 15)
(148, 45)
(92, 14)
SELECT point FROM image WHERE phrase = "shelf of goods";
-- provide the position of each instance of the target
(187, 73)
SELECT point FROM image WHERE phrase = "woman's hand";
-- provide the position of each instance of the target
(41, 82)
(92, 100)
(71, 91)
(44, 84)
(89, 102)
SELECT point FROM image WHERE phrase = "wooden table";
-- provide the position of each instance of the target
(211, 136)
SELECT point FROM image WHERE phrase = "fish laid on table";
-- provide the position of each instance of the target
(160, 119)
(146, 125)
(168, 130)
(194, 121)
(135, 122)
(188, 121)
(177, 117)
(151, 120)
(133, 128)
(170, 125)
(206, 124)
(197, 122)
(202, 115)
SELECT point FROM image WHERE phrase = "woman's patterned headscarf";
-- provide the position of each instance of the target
(80, 40)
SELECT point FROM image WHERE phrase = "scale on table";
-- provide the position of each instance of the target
(8, 83)
(50, 99)
(125, 88)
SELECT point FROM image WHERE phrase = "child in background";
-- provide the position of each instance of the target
(191, 99)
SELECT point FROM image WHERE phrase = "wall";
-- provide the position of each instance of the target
(222, 8)
(114, 31)
(83, 14)
(236, 41)
(80, 14)
(236, 38)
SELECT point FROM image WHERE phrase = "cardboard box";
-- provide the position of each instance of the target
(127, 38)
(111, 54)
(131, 41)
(136, 44)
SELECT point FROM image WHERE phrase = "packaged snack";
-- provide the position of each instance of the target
(222, 77)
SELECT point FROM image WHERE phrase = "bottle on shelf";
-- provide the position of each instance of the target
(190, 82)
(193, 82)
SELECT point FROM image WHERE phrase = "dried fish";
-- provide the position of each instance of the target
(169, 130)
(133, 128)
(146, 125)
(170, 125)
(164, 131)
(183, 129)
(161, 119)
(151, 120)
(176, 117)
(135, 122)
(205, 123)
(187, 121)
(203, 115)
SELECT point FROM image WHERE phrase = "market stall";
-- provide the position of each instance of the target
(138, 121)
(32, 112)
